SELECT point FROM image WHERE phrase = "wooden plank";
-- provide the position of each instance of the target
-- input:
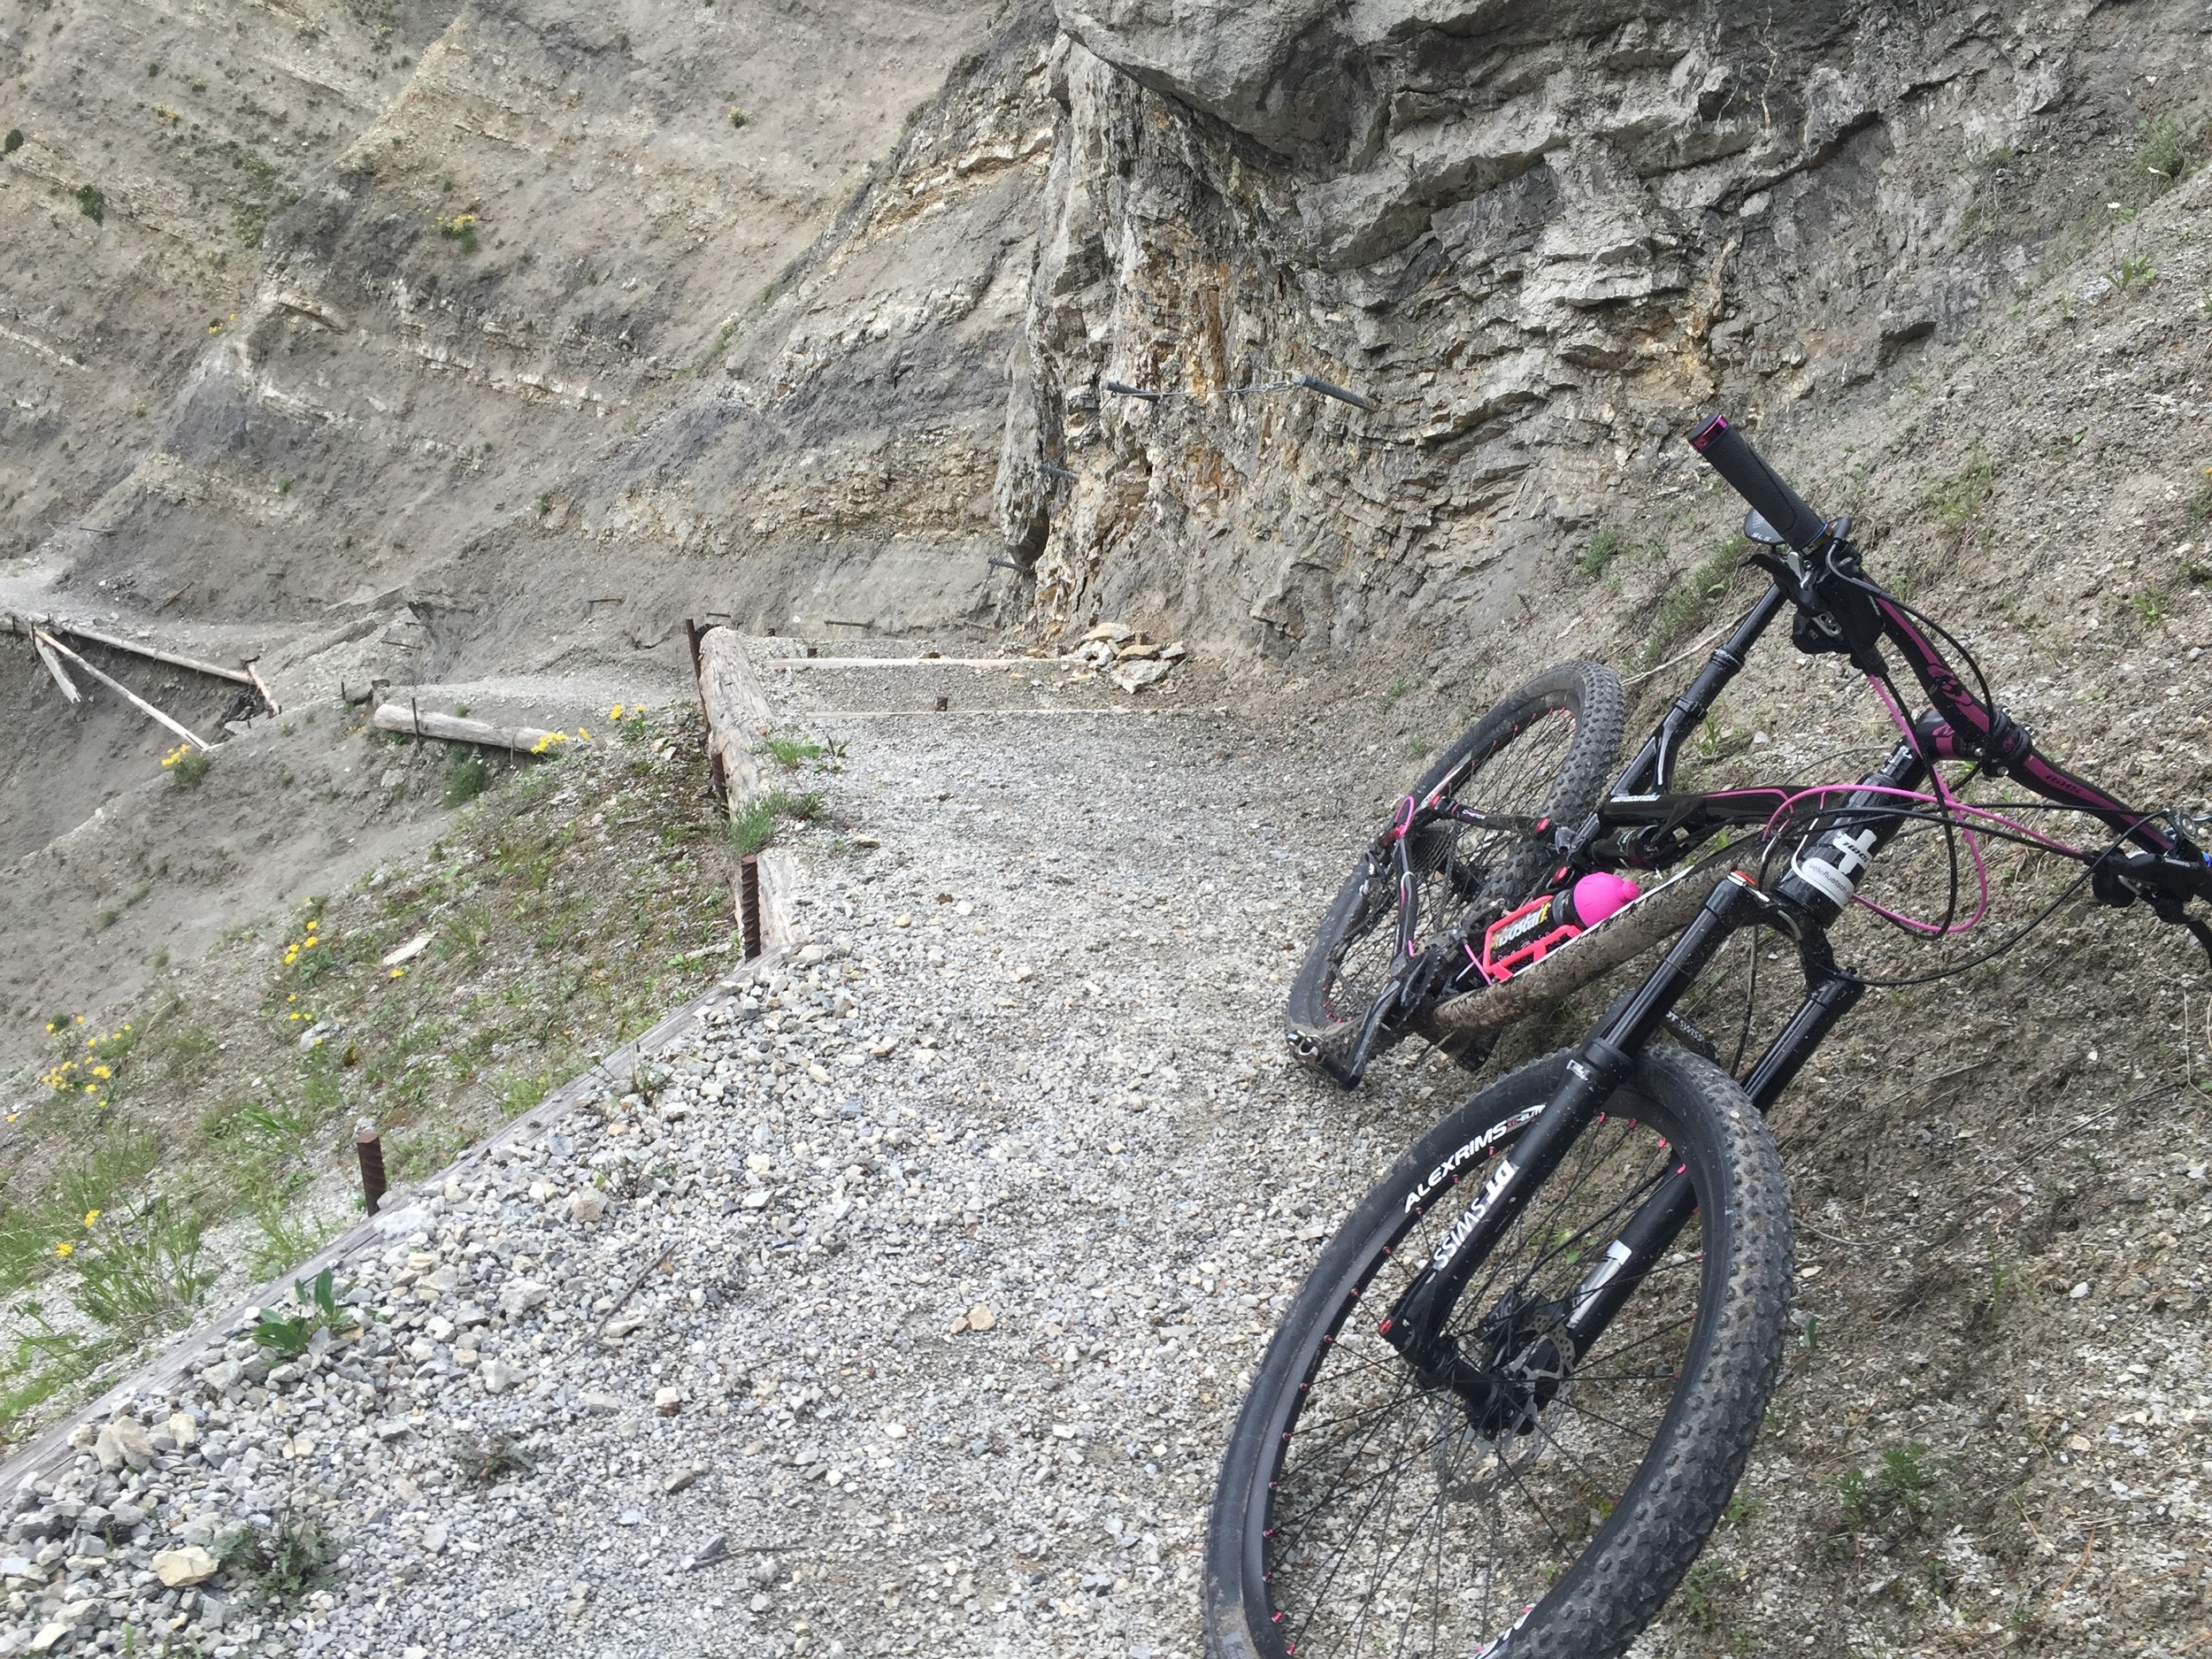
(268, 697)
(453, 728)
(916, 662)
(738, 715)
(53, 666)
(177, 659)
(947, 714)
(122, 690)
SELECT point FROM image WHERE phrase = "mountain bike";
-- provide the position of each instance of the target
(1515, 1393)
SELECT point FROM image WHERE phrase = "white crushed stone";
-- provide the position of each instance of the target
(902, 1307)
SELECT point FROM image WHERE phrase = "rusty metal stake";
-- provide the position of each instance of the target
(944, 705)
(749, 903)
(370, 1148)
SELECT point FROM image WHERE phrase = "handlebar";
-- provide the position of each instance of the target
(1745, 471)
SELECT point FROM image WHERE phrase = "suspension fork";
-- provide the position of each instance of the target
(1661, 1217)
(1598, 1067)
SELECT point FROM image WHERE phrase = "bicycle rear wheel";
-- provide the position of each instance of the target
(1548, 749)
(1360, 1513)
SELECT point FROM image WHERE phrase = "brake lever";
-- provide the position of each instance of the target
(2164, 881)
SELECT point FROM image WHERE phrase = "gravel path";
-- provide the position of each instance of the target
(902, 1309)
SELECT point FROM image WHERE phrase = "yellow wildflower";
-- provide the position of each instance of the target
(615, 713)
(398, 973)
(64, 1249)
(101, 1073)
(91, 1216)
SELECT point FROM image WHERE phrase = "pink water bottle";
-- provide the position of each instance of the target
(1596, 896)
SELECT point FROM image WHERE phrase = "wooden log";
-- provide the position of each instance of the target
(122, 690)
(914, 662)
(738, 714)
(53, 666)
(268, 697)
(176, 659)
(453, 728)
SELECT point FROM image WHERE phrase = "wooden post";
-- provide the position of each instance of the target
(748, 903)
(53, 666)
(368, 1147)
(737, 712)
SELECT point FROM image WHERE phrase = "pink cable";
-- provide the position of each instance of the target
(1942, 800)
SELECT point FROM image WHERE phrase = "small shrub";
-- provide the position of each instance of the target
(187, 765)
(466, 777)
(1699, 1596)
(486, 1459)
(92, 203)
(737, 116)
(755, 827)
(1608, 544)
(13, 142)
(791, 753)
(286, 1240)
(2136, 268)
(1956, 499)
(1682, 609)
(461, 229)
(285, 1560)
(2167, 150)
(752, 828)
(545, 503)
(143, 1269)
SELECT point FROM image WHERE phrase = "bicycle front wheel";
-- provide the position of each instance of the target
(1361, 1512)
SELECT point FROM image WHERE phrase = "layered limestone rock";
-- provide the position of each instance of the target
(1535, 237)
(556, 328)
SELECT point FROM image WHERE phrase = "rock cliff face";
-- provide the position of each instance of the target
(478, 309)
(1536, 237)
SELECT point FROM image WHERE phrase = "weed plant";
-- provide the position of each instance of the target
(1683, 607)
(567, 909)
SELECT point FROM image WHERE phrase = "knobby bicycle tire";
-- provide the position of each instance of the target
(1357, 1514)
(1525, 766)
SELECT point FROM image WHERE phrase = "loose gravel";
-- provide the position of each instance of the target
(900, 1308)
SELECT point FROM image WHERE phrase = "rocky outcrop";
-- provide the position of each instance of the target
(1535, 238)
(567, 331)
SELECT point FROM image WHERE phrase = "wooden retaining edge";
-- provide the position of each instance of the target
(453, 728)
(789, 663)
(943, 714)
(48, 642)
(245, 675)
(738, 715)
(168, 1371)
(176, 659)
